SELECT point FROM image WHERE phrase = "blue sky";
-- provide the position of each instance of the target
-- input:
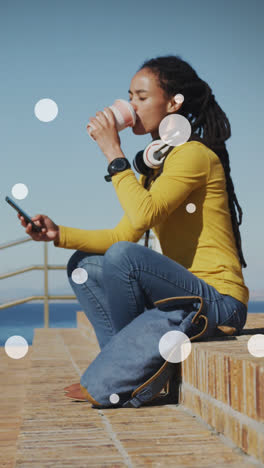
(83, 54)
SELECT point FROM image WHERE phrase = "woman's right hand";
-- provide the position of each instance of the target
(49, 232)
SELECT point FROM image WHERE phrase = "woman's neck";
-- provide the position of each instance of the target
(155, 135)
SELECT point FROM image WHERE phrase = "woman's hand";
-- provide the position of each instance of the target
(105, 134)
(50, 231)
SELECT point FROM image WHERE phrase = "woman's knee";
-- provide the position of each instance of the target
(76, 261)
(119, 251)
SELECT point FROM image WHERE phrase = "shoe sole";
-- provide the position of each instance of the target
(76, 398)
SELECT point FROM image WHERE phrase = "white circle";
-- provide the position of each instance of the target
(175, 130)
(79, 275)
(175, 346)
(114, 398)
(46, 110)
(191, 208)
(256, 345)
(16, 347)
(179, 98)
(19, 191)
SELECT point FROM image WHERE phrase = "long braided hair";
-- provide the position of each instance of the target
(209, 123)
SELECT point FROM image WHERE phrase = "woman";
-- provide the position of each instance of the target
(202, 254)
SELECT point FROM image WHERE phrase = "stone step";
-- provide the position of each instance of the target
(224, 385)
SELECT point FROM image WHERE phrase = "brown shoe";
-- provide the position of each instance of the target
(76, 395)
(74, 386)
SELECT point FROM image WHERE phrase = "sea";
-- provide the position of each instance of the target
(22, 319)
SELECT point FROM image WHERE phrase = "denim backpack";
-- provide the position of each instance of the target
(130, 371)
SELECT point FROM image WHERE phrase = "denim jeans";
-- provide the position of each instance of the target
(126, 281)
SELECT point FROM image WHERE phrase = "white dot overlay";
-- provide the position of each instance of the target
(256, 345)
(175, 346)
(114, 398)
(16, 347)
(19, 191)
(175, 130)
(46, 110)
(79, 275)
(191, 208)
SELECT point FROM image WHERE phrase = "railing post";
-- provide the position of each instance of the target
(46, 287)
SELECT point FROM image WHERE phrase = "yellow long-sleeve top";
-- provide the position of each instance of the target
(202, 240)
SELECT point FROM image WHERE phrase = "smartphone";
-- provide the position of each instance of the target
(35, 228)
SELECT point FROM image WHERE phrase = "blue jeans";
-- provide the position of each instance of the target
(129, 278)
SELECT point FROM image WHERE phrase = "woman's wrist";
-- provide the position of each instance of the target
(114, 153)
(57, 238)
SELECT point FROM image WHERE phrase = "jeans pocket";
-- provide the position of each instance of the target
(232, 320)
(233, 314)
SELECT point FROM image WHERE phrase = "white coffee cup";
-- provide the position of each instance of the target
(124, 114)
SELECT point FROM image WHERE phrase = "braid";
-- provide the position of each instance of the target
(233, 203)
(209, 123)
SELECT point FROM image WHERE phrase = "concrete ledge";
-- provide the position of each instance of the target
(224, 385)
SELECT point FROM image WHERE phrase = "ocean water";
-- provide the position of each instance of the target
(255, 307)
(22, 319)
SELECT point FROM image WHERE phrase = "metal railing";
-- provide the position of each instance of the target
(46, 267)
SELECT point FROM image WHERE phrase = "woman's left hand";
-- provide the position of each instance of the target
(105, 134)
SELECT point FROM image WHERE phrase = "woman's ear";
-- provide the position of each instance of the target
(175, 103)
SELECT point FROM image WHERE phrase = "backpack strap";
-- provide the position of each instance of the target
(198, 316)
(154, 385)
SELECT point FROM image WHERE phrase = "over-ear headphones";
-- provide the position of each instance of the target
(151, 157)
(156, 151)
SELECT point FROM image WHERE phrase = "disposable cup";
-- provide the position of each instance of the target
(124, 114)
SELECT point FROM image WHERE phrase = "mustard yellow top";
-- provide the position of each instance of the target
(187, 209)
